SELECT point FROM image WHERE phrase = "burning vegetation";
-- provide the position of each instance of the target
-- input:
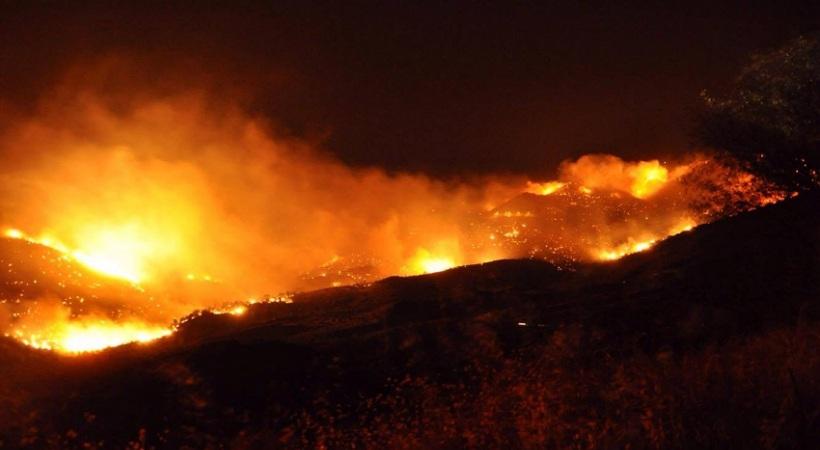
(151, 207)
(603, 208)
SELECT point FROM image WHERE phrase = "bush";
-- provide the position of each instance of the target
(771, 119)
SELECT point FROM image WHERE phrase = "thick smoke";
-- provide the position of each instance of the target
(175, 187)
(187, 184)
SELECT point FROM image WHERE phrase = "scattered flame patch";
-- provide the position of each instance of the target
(649, 177)
(426, 262)
(546, 188)
(83, 336)
(109, 253)
(58, 332)
(635, 246)
(194, 202)
(624, 249)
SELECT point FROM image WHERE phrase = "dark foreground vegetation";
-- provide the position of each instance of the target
(770, 120)
(709, 340)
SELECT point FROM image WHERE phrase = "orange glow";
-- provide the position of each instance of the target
(14, 234)
(236, 310)
(624, 249)
(56, 331)
(649, 177)
(636, 246)
(74, 336)
(119, 253)
(544, 188)
(197, 203)
(432, 265)
(641, 179)
(426, 262)
(686, 224)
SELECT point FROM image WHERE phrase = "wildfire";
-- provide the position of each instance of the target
(193, 207)
(544, 188)
(234, 310)
(649, 177)
(426, 262)
(240, 308)
(82, 336)
(687, 224)
(636, 246)
(110, 253)
(624, 249)
(641, 179)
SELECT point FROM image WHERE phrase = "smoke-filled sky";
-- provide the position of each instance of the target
(211, 154)
(445, 90)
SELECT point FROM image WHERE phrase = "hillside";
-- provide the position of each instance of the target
(31, 271)
(707, 340)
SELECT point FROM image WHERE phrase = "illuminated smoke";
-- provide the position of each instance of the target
(603, 208)
(196, 204)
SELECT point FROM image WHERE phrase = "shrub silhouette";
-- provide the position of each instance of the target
(771, 119)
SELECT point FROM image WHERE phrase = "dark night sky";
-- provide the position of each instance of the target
(466, 88)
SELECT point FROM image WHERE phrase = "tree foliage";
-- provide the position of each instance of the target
(771, 119)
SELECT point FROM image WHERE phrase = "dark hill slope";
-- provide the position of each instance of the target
(740, 275)
(708, 340)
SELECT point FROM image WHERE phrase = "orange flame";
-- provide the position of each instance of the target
(426, 262)
(89, 335)
(180, 194)
(115, 253)
(635, 245)
(544, 188)
(624, 249)
(649, 177)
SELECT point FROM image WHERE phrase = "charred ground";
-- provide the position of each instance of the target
(707, 340)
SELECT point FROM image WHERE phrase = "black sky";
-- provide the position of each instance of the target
(456, 89)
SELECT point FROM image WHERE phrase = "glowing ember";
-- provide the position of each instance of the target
(239, 309)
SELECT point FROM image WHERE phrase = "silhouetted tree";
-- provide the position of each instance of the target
(771, 119)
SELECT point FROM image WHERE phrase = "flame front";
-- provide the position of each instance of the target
(544, 188)
(82, 336)
(115, 253)
(194, 207)
(432, 265)
(650, 177)
(627, 248)
(594, 184)
(426, 262)
(639, 245)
